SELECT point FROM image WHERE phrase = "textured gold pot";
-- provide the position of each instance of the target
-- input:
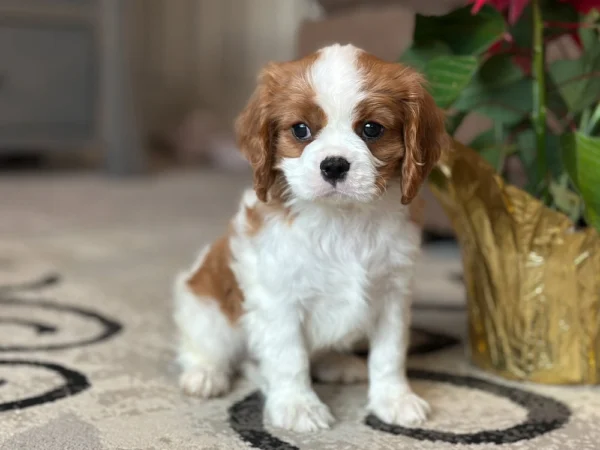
(533, 283)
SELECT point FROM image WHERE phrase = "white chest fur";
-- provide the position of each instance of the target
(328, 266)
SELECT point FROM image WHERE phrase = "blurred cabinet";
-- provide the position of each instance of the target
(47, 83)
(63, 80)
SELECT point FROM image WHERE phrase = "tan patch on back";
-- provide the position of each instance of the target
(254, 220)
(257, 215)
(215, 279)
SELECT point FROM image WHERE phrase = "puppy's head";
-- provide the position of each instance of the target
(340, 126)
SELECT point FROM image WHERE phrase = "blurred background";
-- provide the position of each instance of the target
(145, 87)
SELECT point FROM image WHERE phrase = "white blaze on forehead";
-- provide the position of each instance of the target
(337, 82)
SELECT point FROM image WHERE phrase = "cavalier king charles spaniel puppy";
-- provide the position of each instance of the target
(322, 252)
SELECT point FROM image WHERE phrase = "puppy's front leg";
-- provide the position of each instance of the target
(276, 339)
(390, 396)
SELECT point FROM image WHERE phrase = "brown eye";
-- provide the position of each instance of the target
(372, 131)
(301, 132)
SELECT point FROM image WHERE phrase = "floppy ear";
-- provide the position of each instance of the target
(255, 136)
(424, 139)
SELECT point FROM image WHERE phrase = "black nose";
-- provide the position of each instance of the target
(334, 169)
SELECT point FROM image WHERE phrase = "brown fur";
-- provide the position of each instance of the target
(414, 133)
(254, 221)
(215, 279)
(257, 215)
(412, 142)
(264, 127)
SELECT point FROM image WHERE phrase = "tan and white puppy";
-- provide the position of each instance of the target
(322, 251)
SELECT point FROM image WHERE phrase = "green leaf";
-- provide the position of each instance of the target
(420, 53)
(454, 121)
(448, 76)
(581, 156)
(578, 80)
(552, 11)
(526, 145)
(463, 32)
(554, 99)
(492, 148)
(507, 103)
(565, 199)
(495, 74)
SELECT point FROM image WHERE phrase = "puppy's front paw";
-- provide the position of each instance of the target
(406, 409)
(204, 383)
(301, 412)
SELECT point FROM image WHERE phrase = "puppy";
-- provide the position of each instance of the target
(322, 251)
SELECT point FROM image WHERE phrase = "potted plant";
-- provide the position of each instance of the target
(531, 254)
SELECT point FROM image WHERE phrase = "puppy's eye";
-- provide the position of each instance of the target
(301, 131)
(372, 131)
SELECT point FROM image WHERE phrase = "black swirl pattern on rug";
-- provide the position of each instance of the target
(38, 327)
(73, 384)
(108, 326)
(9, 296)
(544, 414)
(43, 282)
(246, 419)
(246, 416)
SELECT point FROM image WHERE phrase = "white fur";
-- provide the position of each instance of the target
(338, 87)
(340, 271)
(209, 347)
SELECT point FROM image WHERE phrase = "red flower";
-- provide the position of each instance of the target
(515, 7)
(520, 57)
(584, 6)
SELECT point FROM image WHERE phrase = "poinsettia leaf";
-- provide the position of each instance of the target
(552, 11)
(495, 73)
(483, 140)
(515, 9)
(448, 76)
(578, 80)
(420, 53)
(554, 99)
(526, 147)
(565, 199)
(581, 157)
(508, 103)
(494, 155)
(454, 121)
(491, 149)
(464, 32)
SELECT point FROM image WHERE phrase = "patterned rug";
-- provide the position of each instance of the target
(86, 358)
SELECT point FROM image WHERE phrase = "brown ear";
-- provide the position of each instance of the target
(424, 139)
(255, 135)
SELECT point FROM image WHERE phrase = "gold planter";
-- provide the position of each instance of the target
(533, 283)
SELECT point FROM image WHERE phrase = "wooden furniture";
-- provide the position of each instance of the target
(64, 80)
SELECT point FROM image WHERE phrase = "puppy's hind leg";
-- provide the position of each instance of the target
(210, 347)
(334, 367)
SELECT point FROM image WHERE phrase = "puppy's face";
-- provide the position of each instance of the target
(339, 126)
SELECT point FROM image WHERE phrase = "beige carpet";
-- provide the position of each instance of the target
(86, 339)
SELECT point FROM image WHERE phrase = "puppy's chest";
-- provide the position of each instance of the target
(335, 258)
